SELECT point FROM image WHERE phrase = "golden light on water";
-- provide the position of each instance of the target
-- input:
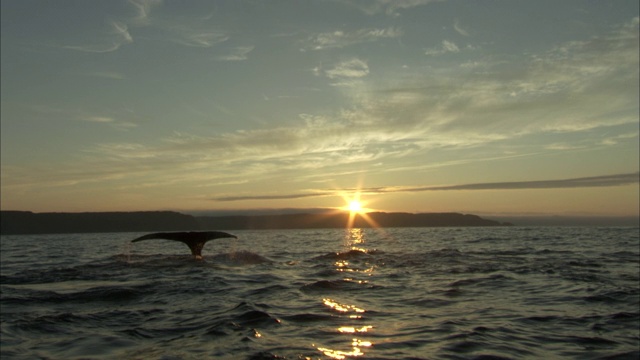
(337, 354)
(341, 307)
(354, 240)
(355, 236)
(356, 344)
(351, 329)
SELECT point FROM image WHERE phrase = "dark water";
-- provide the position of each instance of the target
(444, 293)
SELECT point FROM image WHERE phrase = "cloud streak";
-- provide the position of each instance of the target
(593, 181)
(354, 68)
(341, 39)
(446, 47)
(111, 41)
(143, 10)
(239, 53)
(202, 38)
(388, 7)
(459, 29)
(117, 124)
(573, 183)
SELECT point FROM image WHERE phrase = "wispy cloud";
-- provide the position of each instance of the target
(143, 10)
(614, 140)
(458, 28)
(189, 36)
(594, 181)
(188, 31)
(117, 124)
(239, 53)
(388, 7)
(340, 38)
(584, 182)
(354, 68)
(118, 33)
(111, 41)
(446, 47)
(268, 197)
(574, 87)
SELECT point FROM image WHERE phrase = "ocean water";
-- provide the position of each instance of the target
(397, 293)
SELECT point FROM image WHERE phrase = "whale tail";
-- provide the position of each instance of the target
(195, 240)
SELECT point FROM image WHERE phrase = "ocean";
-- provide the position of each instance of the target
(393, 293)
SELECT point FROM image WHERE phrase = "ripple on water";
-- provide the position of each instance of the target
(423, 293)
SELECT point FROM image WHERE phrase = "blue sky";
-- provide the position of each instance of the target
(488, 107)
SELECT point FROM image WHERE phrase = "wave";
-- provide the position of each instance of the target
(407, 294)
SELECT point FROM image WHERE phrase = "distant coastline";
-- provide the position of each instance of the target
(26, 222)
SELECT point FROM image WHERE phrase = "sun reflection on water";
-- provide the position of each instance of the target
(356, 344)
(354, 237)
(341, 307)
(351, 329)
(337, 354)
(356, 261)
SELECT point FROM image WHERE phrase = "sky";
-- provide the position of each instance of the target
(483, 107)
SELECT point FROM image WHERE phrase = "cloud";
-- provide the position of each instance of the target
(111, 41)
(614, 140)
(340, 39)
(446, 47)
(120, 125)
(354, 68)
(594, 181)
(121, 30)
(458, 28)
(237, 54)
(118, 33)
(266, 197)
(143, 9)
(574, 87)
(189, 31)
(388, 7)
(188, 36)
(573, 183)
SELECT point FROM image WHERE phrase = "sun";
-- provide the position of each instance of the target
(355, 206)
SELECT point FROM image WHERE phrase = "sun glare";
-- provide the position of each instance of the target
(355, 206)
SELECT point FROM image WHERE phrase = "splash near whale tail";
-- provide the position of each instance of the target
(195, 240)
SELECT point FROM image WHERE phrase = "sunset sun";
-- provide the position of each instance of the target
(355, 206)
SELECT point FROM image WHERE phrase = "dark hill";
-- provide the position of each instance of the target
(339, 220)
(25, 222)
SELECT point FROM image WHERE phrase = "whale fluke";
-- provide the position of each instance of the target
(195, 240)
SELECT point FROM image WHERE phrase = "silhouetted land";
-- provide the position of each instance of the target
(571, 220)
(25, 222)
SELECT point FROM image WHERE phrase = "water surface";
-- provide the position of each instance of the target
(401, 293)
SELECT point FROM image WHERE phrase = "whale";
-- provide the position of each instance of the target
(195, 240)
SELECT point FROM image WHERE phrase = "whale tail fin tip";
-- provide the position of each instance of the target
(194, 240)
